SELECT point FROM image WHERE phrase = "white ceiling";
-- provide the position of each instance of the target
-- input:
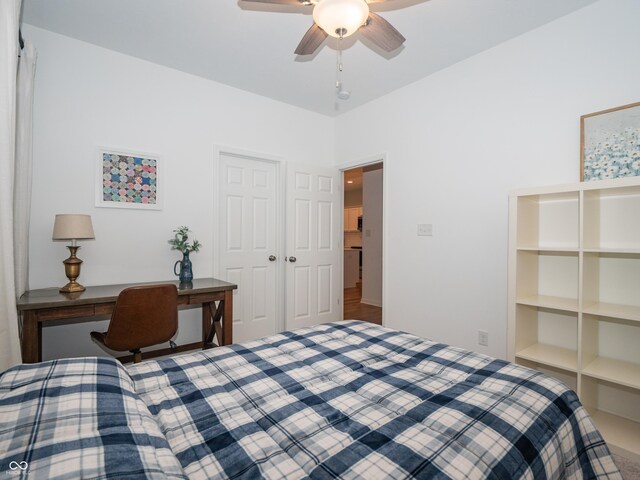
(250, 46)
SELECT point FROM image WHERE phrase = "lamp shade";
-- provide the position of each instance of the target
(73, 227)
(340, 17)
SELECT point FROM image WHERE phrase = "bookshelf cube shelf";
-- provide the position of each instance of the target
(611, 220)
(611, 284)
(574, 296)
(549, 221)
(615, 411)
(547, 337)
(610, 350)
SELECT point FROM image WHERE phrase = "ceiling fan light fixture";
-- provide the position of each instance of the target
(344, 95)
(341, 18)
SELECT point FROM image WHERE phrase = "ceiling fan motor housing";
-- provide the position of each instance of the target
(341, 18)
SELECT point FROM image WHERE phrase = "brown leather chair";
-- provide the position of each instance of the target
(143, 316)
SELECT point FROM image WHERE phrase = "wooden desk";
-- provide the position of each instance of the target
(36, 307)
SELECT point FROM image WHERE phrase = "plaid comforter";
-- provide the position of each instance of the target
(341, 400)
(79, 418)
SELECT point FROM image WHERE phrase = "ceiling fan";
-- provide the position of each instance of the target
(341, 18)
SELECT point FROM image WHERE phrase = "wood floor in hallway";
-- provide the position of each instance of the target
(354, 310)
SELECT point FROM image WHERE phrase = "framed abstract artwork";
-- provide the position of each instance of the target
(610, 143)
(128, 179)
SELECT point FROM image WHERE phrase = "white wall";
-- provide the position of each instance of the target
(86, 97)
(372, 223)
(459, 140)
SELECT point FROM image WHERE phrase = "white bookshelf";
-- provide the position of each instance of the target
(574, 296)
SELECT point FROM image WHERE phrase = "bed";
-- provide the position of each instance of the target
(339, 400)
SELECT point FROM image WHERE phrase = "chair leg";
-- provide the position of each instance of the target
(137, 356)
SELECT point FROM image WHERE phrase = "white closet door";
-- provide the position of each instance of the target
(247, 244)
(313, 246)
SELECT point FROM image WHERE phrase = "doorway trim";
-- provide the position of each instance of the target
(364, 162)
(280, 165)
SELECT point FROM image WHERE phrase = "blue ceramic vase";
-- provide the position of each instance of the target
(186, 272)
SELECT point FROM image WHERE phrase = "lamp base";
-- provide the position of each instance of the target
(72, 271)
(72, 287)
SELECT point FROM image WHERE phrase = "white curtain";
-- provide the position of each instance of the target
(9, 48)
(23, 163)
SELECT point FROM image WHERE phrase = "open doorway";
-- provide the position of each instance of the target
(363, 243)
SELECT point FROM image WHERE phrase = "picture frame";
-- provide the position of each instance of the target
(129, 179)
(610, 143)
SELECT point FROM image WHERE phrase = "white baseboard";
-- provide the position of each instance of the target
(375, 303)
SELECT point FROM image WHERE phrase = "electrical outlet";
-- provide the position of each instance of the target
(483, 338)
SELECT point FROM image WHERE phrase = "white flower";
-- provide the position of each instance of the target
(613, 169)
(636, 165)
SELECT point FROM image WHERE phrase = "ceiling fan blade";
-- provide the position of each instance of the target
(296, 3)
(311, 40)
(382, 33)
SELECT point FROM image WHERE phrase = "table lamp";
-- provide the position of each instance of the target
(72, 227)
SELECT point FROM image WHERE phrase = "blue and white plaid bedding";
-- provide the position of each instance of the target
(342, 400)
(358, 401)
(80, 418)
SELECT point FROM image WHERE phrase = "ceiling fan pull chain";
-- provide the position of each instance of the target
(339, 66)
(338, 63)
(341, 93)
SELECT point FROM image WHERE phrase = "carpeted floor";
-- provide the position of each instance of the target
(630, 470)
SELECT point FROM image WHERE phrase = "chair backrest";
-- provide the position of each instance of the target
(143, 316)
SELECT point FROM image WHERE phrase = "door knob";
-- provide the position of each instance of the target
(272, 258)
(292, 259)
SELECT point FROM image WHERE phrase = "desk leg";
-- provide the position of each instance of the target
(31, 338)
(206, 323)
(211, 324)
(227, 318)
(218, 321)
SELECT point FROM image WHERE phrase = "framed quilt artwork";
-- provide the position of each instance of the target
(610, 143)
(129, 180)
